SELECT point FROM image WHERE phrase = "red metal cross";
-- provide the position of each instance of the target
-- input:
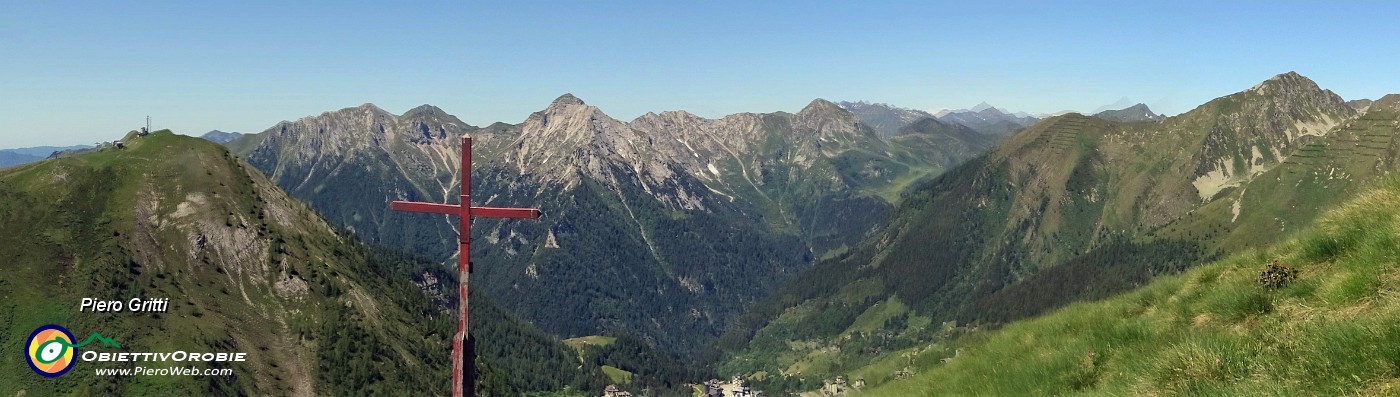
(464, 212)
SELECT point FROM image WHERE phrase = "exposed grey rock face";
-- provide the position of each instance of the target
(1254, 130)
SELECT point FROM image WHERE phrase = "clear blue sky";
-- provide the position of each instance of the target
(76, 74)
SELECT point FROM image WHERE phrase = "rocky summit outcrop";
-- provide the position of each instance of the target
(1252, 131)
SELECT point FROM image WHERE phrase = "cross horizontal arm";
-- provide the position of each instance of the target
(494, 212)
(478, 212)
(413, 206)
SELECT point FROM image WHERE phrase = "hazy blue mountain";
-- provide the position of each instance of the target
(220, 137)
(12, 157)
(884, 118)
(1121, 103)
(989, 119)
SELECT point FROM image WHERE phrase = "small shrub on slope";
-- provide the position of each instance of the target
(1277, 275)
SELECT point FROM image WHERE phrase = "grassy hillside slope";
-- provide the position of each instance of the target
(1213, 330)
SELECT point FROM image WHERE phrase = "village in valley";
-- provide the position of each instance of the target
(712, 388)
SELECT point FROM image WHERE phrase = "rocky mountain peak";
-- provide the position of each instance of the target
(820, 106)
(1265, 121)
(1293, 94)
(566, 109)
(566, 100)
(370, 107)
(424, 109)
(682, 113)
(569, 137)
(821, 111)
(827, 120)
(1286, 82)
(367, 113)
(425, 114)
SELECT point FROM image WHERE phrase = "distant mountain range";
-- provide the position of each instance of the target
(664, 227)
(988, 119)
(13, 157)
(888, 119)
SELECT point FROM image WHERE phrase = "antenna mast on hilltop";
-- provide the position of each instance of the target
(148, 123)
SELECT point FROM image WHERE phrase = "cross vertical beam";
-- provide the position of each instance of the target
(460, 361)
(463, 362)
